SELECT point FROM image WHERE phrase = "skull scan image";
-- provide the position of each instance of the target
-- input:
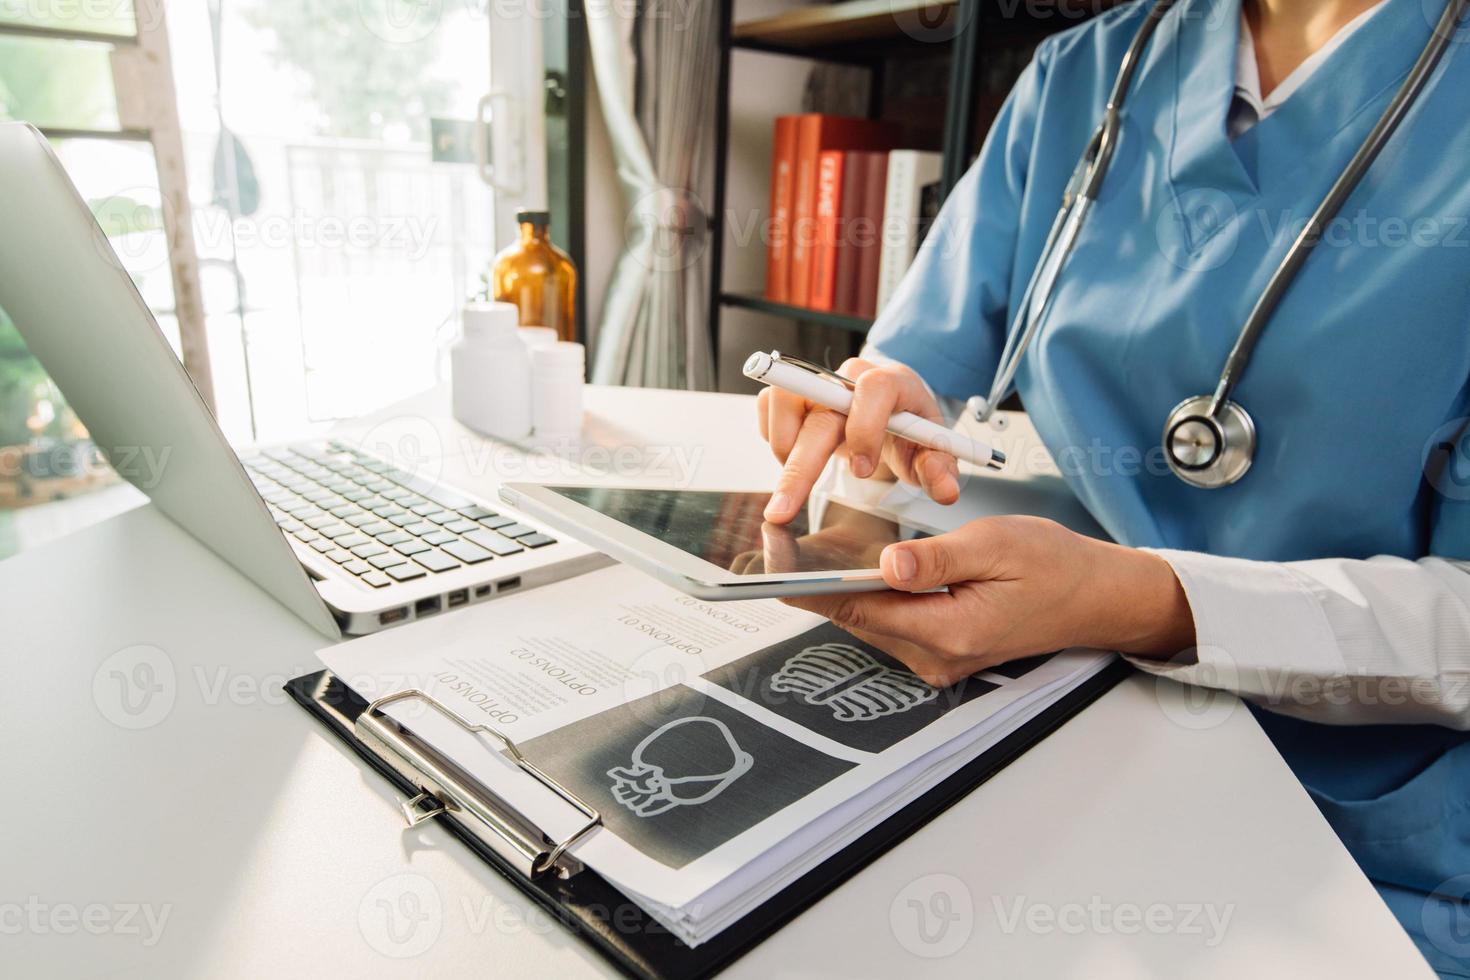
(850, 682)
(685, 762)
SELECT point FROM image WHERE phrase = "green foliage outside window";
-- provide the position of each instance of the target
(56, 83)
(362, 78)
(21, 379)
(115, 17)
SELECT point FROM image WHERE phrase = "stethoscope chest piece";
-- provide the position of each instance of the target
(1206, 450)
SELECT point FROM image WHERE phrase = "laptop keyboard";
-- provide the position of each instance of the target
(378, 522)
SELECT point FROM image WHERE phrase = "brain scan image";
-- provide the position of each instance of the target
(851, 683)
(686, 762)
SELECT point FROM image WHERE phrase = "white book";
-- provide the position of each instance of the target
(909, 172)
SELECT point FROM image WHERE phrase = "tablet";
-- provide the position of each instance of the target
(714, 544)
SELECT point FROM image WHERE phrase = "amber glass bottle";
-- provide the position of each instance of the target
(537, 277)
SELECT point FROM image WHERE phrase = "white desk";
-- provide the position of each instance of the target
(273, 853)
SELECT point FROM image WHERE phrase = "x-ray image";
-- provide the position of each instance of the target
(831, 682)
(854, 685)
(648, 788)
(676, 774)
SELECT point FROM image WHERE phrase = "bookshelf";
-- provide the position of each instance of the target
(957, 35)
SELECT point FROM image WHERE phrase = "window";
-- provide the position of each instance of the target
(81, 72)
(334, 248)
(291, 185)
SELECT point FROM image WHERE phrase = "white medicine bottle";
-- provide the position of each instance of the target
(490, 372)
(556, 389)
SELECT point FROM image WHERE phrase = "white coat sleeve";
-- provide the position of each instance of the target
(1344, 641)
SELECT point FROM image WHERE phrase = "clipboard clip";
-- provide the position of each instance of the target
(447, 790)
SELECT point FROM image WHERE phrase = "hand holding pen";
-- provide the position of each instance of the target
(804, 431)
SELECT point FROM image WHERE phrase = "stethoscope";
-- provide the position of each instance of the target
(1208, 440)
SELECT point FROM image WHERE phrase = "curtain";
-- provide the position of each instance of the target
(660, 110)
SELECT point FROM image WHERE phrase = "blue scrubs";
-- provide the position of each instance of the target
(1366, 359)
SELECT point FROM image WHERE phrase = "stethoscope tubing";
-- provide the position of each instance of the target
(1096, 160)
(1285, 274)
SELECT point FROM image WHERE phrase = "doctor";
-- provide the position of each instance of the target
(1305, 541)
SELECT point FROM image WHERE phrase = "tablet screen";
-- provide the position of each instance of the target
(727, 529)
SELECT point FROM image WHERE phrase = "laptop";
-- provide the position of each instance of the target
(345, 539)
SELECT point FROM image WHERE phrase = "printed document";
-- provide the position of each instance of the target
(729, 747)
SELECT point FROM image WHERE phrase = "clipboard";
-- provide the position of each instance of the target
(546, 870)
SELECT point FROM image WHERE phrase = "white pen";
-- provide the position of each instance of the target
(831, 390)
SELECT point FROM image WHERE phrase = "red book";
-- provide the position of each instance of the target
(815, 133)
(850, 232)
(830, 179)
(783, 173)
(869, 235)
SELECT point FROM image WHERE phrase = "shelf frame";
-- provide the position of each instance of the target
(834, 54)
(959, 107)
(716, 219)
(759, 304)
(827, 25)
